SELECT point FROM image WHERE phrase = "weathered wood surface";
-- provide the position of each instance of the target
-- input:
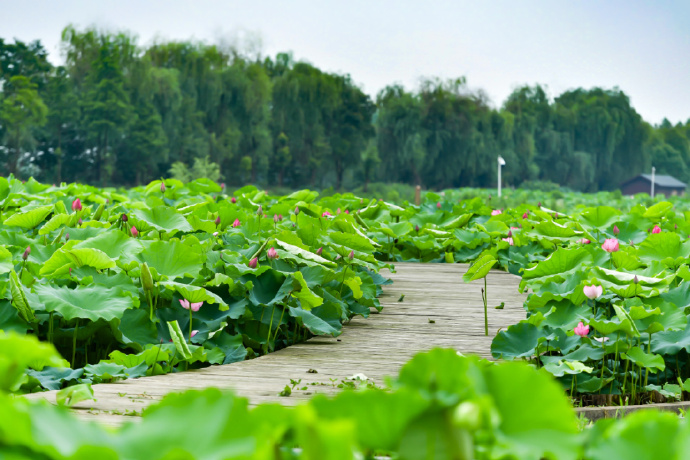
(377, 346)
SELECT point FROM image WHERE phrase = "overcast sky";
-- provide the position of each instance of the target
(643, 47)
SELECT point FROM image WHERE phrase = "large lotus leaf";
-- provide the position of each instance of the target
(86, 302)
(114, 243)
(647, 360)
(6, 264)
(63, 259)
(231, 346)
(163, 218)
(626, 259)
(381, 417)
(518, 341)
(53, 378)
(57, 221)
(348, 227)
(30, 218)
(557, 267)
(643, 435)
(304, 254)
(19, 300)
(671, 342)
(456, 221)
(327, 323)
(173, 259)
(601, 217)
(306, 296)
(19, 352)
(470, 239)
(571, 288)
(659, 246)
(625, 279)
(135, 329)
(10, 319)
(539, 423)
(195, 293)
(480, 268)
(551, 229)
(564, 367)
(107, 372)
(658, 210)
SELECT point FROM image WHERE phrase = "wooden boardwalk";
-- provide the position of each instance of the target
(439, 310)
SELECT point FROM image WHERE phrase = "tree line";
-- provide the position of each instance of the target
(118, 113)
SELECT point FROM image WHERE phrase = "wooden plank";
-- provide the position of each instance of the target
(376, 346)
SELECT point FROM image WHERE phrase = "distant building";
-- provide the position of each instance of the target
(666, 185)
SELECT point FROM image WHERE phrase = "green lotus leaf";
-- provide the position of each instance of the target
(30, 218)
(600, 217)
(304, 254)
(558, 266)
(86, 302)
(163, 219)
(195, 293)
(57, 221)
(518, 341)
(317, 325)
(647, 360)
(480, 268)
(173, 259)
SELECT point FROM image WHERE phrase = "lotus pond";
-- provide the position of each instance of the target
(172, 276)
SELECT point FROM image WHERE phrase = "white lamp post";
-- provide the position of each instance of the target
(501, 162)
(653, 171)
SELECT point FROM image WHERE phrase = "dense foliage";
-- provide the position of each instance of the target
(117, 112)
(441, 406)
(157, 279)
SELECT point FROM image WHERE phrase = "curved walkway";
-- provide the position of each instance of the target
(438, 310)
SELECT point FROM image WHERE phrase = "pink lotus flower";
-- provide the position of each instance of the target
(496, 212)
(616, 230)
(76, 205)
(326, 214)
(253, 263)
(584, 241)
(438, 205)
(581, 330)
(134, 231)
(593, 291)
(195, 332)
(237, 223)
(272, 254)
(656, 229)
(347, 211)
(610, 245)
(233, 199)
(193, 306)
(215, 233)
(509, 240)
(337, 211)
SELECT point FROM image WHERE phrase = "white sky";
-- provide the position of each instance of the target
(643, 47)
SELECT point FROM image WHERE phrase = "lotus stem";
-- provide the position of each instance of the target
(74, 343)
(649, 350)
(148, 296)
(485, 296)
(190, 325)
(275, 336)
(270, 328)
(50, 327)
(343, 281)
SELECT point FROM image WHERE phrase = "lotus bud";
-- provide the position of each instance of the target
(337, 257)
(656, 229)
(438, 205)
(275, 218)
(416, 227)
(296, 210)
(675, 226)
(76, 205)
(632, 244)
(66, 236)
(555, 215)
(124, 218)
(80, 221)
(524, 216)
(347, 211)
(99, 212)
(162, 187)
(217, 221)
(272, 254)
(636, 280)
(27, 251)
(146, 278)
(616, 230)
(338, 211)
(510, 233)
(194, 332)
(134, 231)
(260, 211)
(319, 251)
(215, 233)
(280, 217)
(351, 255)
(236, 224)
(253, 263)
(233, 199)
(222, 185)
(539, 204)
